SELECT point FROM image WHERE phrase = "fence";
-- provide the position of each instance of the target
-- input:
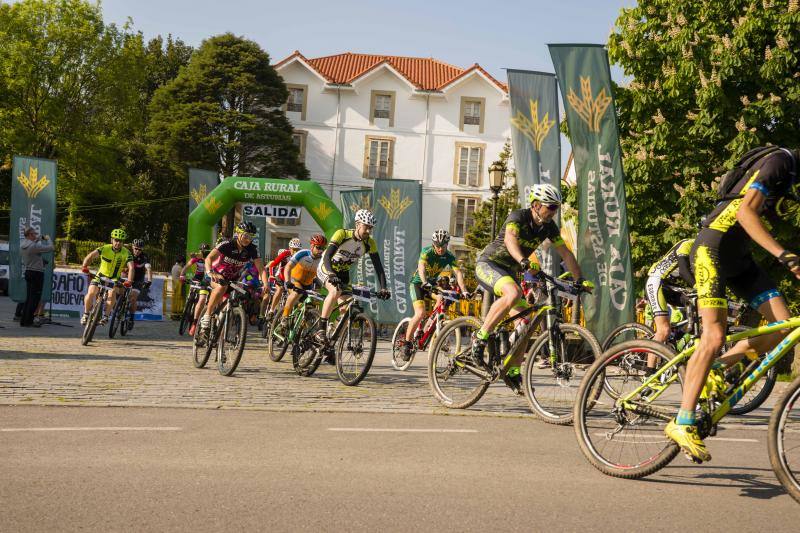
(73, 252)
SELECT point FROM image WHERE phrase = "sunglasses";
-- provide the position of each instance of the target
(552, 207)
(246, 235)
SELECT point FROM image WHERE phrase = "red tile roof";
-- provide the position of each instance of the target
(424, 73)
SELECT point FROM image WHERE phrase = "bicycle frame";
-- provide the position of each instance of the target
(745, 382)
(440, 309)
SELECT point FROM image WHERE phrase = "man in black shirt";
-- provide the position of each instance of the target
(141, 269)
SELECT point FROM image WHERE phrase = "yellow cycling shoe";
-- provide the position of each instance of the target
(690, 442)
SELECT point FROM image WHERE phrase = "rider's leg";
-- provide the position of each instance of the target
(198, 308)
(291, 300)
(663, 329)
(276, 298)
(418, 302)
(217, 291)
(91, 294)
(711, 340)
(509, 293)
(112, 297)
(330, 300)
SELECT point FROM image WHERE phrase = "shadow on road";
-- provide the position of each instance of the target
(751, 485)
(4, 354)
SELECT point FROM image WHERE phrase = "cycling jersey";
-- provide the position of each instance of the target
(140, 265)
(111, 262)
(349, 250)
(529, 235)
(721, 256)
(666, 267)
(199, 268)
(231, 259)
(303, 268)
(435, 264)
(276, 266)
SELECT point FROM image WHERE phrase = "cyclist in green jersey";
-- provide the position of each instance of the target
(112, 259)
(433, 260)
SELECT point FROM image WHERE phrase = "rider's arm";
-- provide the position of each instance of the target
(90, 257)
(460, 279)
(569, 259)
(747, 216)
(287, 270)
(512, 244)
(212, 255)
(262, 272)
(130, 269)
(185, 267)
(278, 259)
(330, 251)
(376, 262)
(421, 270)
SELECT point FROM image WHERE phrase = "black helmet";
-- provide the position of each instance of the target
(204, 247)
(246, 227)
(138, 243)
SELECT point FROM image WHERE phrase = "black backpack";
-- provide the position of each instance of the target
(732, 177)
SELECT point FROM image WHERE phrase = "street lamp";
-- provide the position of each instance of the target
(497, 177)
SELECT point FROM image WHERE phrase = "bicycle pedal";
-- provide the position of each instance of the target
(692, 459)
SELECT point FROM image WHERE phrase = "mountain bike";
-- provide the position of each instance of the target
(687, 331)
(352, 338)
(298, 334)
(187, 317)
(98, 306)
(227, 331)
(119, 313)
(426, 330)
(623, 436)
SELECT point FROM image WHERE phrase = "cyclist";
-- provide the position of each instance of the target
(276, 267)
(512, 252)
(669, 268)
(113, 257)
(301, 272)
(141, 269)
(225, 264)
(345, 248)
(721, 257)
(433, 260)
(200, 277)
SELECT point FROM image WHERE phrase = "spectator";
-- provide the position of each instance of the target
(177, 287)
(31, 250)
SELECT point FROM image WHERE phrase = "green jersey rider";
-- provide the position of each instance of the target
(112, 259)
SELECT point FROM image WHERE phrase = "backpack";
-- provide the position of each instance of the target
(734, 175)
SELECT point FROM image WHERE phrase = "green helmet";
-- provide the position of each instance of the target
(119, 233)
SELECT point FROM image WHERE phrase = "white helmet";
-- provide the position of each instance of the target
(545, 193)
(440, 237)
(295, 243)
(365, 216)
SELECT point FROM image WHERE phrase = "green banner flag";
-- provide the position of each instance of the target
(398, 208)
(603, 241)
(33, 204)
(535, 138)
(351, 201)
(201, 182)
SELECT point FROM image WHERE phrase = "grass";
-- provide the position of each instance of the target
(785, 377)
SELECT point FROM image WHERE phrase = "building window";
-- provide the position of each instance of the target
(298, 99)
(378, 156)
(279, 240)
(299, 139)
(468, 165)
(463, 216)
(286, 221)
(472, 112)
(382, 106)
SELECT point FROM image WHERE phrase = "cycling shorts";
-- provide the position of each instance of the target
(323, 275)
(492, 277)
(716, 268)
(417, 293)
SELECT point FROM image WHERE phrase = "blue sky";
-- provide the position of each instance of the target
(497, 34)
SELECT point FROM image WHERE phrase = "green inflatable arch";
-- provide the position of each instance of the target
(235, 189)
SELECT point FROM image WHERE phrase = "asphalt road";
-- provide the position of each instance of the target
(200, 470)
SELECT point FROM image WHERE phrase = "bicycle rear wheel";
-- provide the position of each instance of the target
(355, 349)
(231, 341)
(627, 332)
(397, 350)
(551, 385)
(188, 314)
(784, 440)
(628, 441)
(452, 374)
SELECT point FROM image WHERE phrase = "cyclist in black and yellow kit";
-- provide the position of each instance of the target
(673, 265)
(721, 257)
(112, 259)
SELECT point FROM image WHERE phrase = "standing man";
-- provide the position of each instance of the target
(31, 249)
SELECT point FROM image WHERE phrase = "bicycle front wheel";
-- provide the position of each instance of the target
(305, 357)
(626, 439)
(231, 341)
(784, 440)
(188, 314)
(356, 349)
(452, 374)
(278, 341)
(201, 347)
(399, 335)
(627, 332)
(551, 380)
(91, 323)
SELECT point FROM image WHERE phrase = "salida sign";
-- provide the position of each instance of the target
(277, 211)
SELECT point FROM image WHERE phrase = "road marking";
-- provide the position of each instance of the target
(728, 439)
(404, 430)
(124, 428)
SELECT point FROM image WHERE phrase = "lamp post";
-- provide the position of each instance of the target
(497, 176)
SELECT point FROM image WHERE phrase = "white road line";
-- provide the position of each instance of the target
(124, 428)
(404, 430)
(727, 439)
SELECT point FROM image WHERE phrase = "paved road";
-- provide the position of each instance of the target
(203, 470)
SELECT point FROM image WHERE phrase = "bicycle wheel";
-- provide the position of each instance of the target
(628, 441)
(627, 332)
(551, 385)
(397, 351)
(355, 349)
(451, 371)
(784, 440)
(201, 347)
(115, 318)
(91, 323)
(305, 358)
(188, 313)
(231, 341)
(277, 343)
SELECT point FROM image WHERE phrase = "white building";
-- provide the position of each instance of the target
(358, 117)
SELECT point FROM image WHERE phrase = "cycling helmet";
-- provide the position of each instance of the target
(119, 234)
(246, 227)
(295, 244)
(440, 237)
(318, 240)
(365, 216)
(205, 248)
(138, 243)
(545, 193)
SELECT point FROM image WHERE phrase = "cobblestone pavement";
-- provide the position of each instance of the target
(153, 367)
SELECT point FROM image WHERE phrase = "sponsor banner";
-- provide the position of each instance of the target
(277, 211)
(603, 244)
(201, 182)
(535, 139)
(398, 208)
(362, 272)
(69, 287)
(33, 204)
